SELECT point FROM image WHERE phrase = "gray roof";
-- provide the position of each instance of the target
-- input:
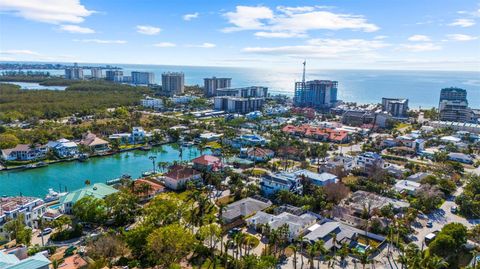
(244, 207)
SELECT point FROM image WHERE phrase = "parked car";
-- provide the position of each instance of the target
(453, 209)
(429, 224)
(45, 231)
(234, 231)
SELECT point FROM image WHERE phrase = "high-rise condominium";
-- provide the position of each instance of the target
(214, 83)
(173, 83)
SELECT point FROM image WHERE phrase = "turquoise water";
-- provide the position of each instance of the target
(72, 175)
(422, 88)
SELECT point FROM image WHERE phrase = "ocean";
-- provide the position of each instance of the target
(422, 88)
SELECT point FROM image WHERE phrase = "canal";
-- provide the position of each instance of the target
(72, 175)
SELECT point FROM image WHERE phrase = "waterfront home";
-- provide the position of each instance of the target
(24, 152)
(207, 163)
(147, 189)
(296, 224)
(244, 208)
(257, 154)
(31, 208)
(406, 186)
(209, 136)
(97, 190)
(178, 176)
(272, 183)
(137, 136)
(64, 148)
(344, 234)
(317, 179)
(94, 143)
(11, 261)
(460, 157)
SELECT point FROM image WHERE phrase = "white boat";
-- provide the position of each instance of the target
(53, 195)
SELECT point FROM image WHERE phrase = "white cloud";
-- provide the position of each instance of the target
(75, 29)
(461, 37)
(148, 30)
(205, 45)
(279, 34)
(417, 38)
(420, 47)
(165, 45)
(292, 21)
(463, 22)
(100, 41)
(248, 18)
(19, 52)
(189, 17)
(324, 48)
(380, 37)
(48, 11)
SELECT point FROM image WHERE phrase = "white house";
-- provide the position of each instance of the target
(151, 102)
(407, 186)
(322, 179)
(24, 152)
(64, 148)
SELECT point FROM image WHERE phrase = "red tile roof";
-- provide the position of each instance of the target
(309, 131)
(154, 187)
(178, 172)
(206, 160)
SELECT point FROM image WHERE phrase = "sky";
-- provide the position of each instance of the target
(366, 34)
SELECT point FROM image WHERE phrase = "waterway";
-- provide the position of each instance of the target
(72, 175)
(36, 86)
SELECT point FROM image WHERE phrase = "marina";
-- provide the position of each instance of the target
(69, 176)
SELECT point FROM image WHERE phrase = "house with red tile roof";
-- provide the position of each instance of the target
(74, 262)
(318, 133)
(178, 176)
(207, 163)
(257, 154)
(147, 189)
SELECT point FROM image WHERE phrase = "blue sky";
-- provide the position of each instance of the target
(368, 34)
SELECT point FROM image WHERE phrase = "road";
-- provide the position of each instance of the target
(440, 217)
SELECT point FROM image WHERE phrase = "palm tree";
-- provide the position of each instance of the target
(87, 182)
(153, 158)
(435, 262)
(41, 224)
(321, 250)
(294, 248)
(312, 251)
(334, 245)
(56, 264)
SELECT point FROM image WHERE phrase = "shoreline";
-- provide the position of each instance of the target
(25, 167)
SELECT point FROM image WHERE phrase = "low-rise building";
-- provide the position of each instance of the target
(24, 152)
(151, 102)
(64, 148)
(11, 261)
(329, 230)
(406, 186)
(207, 163)
(368, 160)
(147, 189)
(321, 180)
(248, 140)
(318, 133)
(296, 224)
(244, 208)
(272, 183)
(31, 208)
(257, 154)
(97, 190)
(94, 143)
(460, 157)
(178, 176)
